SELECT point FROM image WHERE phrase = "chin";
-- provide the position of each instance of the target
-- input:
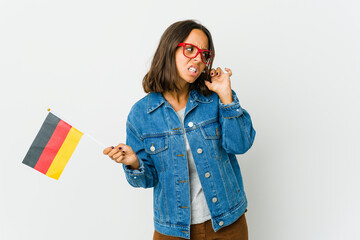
(189, 79)
(192, 80)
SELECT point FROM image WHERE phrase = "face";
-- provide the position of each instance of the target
(183, 64)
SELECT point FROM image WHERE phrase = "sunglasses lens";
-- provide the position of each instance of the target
(206, 57)
(190, 51)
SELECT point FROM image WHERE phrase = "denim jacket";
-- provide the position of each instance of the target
(215, 131)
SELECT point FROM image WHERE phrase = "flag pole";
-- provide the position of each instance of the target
(85, 134)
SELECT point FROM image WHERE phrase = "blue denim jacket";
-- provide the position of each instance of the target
(215, 131)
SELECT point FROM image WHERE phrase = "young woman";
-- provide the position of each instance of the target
(182, 138)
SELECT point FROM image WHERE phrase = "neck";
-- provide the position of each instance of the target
(179, 97)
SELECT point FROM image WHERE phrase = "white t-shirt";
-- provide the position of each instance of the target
(199, 209)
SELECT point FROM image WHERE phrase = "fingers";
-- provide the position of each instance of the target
(216, 72)
(107, 150)
(116, 153)
(219, 71)
(228, 71)
(120, 159)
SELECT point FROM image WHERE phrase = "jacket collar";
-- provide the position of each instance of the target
(155, 100)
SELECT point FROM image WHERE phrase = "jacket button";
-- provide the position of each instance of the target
(190, 124)
(214, 200)
(207, 175)
(199, 151)
(152, 148)
(221, 223)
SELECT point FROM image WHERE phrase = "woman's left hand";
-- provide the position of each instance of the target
(220, 83)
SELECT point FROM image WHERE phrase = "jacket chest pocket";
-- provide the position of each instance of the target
(212, 135)
(157, 148)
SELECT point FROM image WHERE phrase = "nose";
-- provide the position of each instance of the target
(198, 57)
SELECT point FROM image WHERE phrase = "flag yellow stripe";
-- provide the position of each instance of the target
(64, 153)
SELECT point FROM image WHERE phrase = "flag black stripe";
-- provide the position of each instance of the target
(42, 138)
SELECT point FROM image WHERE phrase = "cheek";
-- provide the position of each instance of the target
(179, 54)
(181, 65)
(180, 61)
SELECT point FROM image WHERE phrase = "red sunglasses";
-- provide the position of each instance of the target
(190, 52)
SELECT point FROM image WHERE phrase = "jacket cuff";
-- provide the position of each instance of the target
(231, 110)
(135, 174)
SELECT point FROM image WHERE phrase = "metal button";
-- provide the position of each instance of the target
(190, 124)
(207, 175)
(214, 200)
(134, 177)
(199, 151)
(238, 110)
(152, 148)
(221, 223)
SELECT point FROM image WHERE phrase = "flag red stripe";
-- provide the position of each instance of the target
(52, 147)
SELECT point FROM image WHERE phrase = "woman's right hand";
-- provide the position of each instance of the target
(124, 154)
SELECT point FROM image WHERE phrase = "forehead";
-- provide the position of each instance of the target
(198, 38)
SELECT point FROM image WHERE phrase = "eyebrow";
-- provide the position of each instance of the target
(199, 47)
(202, 48)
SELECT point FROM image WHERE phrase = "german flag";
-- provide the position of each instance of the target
(52, 147)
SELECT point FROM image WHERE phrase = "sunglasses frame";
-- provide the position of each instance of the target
(199, 51)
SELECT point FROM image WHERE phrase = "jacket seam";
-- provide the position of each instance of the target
(168, 224)
(230, 183)
(231, 209)
(134, 130)
(245, 130)
(233, 116)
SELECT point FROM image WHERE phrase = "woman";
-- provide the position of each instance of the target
(182, 138)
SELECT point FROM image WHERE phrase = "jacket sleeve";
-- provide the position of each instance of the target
(237, 131)
(146, 176)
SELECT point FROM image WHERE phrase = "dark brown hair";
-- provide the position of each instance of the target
(163, 75)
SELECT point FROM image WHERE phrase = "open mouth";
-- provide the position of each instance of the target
(193, 71)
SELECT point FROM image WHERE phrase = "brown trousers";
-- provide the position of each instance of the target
(204, 231)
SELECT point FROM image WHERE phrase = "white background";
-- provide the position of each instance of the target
(295, 69)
